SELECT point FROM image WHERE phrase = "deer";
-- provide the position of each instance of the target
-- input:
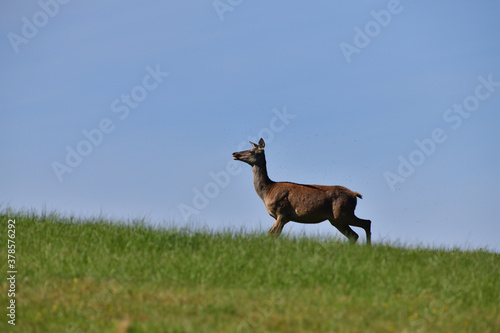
(287, 201)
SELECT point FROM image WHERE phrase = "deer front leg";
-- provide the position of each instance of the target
(277, 226)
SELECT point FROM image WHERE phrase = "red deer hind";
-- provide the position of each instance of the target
(287, 201)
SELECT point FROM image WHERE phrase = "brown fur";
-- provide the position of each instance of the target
(287, 201)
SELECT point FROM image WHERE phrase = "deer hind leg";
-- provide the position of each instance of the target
(365, 224)
(345, 230)
(277, 226)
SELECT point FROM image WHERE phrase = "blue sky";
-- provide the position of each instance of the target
(397, 100)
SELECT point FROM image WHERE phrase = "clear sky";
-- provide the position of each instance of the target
(129, 109)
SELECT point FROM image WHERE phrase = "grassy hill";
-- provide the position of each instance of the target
(99, 276)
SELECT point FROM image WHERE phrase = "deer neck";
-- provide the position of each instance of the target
(261, 180)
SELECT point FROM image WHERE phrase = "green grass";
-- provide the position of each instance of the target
(99, 276)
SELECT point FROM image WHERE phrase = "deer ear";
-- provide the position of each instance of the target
(262, 144)
(253, 144)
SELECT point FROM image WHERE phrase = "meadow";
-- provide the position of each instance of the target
(104, 276)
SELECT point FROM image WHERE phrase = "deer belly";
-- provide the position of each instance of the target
(308, 217)
(311, 212)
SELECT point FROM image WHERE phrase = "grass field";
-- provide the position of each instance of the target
(99, 276)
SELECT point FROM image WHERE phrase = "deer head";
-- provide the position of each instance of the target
(252, 156)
